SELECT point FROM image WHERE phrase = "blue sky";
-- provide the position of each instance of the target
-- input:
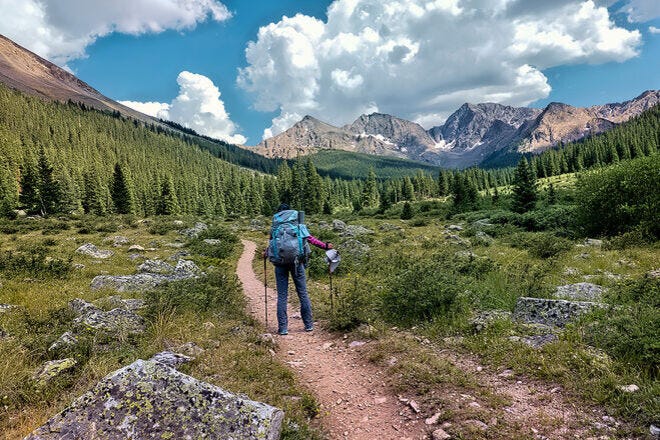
(419, 63)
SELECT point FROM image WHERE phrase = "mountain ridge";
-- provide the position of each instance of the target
(471, 135)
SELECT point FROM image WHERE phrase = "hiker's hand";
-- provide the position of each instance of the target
(329, 245)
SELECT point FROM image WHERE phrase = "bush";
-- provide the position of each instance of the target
(356, 303)
(219, 291)
(553, 217)
(632, 333)
(35, 262)
(421, 292)
(621, 198)
(541, 244)
(220, 250)
(161, 226)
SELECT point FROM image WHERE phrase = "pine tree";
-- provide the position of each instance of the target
(552, 194)
(408, 190)
(370, 196)
(407, 211)
(8, 192)
(29, 198)
(524, 188)
(121, 192)
(50, 190)
(168, 203)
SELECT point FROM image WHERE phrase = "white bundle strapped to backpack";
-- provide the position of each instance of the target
(288, 238)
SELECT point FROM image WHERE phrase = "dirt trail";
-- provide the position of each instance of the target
(355, 403)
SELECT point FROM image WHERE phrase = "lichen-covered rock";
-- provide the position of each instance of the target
(486, 318)
(67, 340)
(580, 292)
(148, 399)
(115, 321)
(338, 225)
(117, 302)
(156, 266)
(82, 307)
(141, 282)
(92, 251)
(52, 369)
(118, 240)
(355, 231)
(556, 312)
(195, 230)
(171, 358)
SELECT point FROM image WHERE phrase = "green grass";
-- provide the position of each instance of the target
(235, 356)
(348, 165)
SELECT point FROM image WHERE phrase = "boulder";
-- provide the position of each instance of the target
(356, 230)
(455, 228)
(195, 230)
(136, 248)
(115, 321)
(67, 340)
(92, 251)
(141, 282)
(156, 267)
(81, 307)
(486, 318)
(148, 399)
(338, 225)
(554, 312)
(593, 242)
(171, 359)
(118, 240)
(52, 369)
(580, 292)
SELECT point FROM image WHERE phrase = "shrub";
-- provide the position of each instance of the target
(219, 291)
(632, 333)
(541, 244)
(220, 250)
(552, 217)
(421, 292)
(161, 226)
(35, 262)
(618, 199)
(354, 304)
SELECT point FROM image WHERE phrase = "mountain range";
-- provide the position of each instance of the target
(474, 134)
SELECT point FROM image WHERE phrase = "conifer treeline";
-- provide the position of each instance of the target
(62, 157)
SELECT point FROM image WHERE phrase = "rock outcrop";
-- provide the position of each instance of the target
(555, 312)
(152, 273)
(580, 292)
(92, 251)
(148, 399)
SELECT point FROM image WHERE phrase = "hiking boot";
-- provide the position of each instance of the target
(309, 329)
(283, 332)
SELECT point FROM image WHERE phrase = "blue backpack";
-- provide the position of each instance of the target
(288, 239)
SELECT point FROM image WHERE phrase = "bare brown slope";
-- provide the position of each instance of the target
(27, 72)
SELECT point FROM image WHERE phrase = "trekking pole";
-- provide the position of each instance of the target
(265, 294)
(332, 300)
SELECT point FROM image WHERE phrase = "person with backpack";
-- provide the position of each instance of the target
(289, 251)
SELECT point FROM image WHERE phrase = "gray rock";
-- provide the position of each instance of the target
(117, 302)
(52, 369)
(92, 251)
(632, 388)
(118, 240)
(323, 225)
(593, 242)
(176, 245)
(355, 231)
(571, 271)
(150, 400)
(178, 255)
(440, 434)
(654, 430)
(457, 240)
(136, 248)
(486, 318)
(67, 340)
(134, 257)
(178, 223)
(156, 267)
(115, 321)
(555, 312)
(580, 292)
(141, 282)
(195, 230)
(386, 227)
(338, 225)
(455, 228)
(212, 241)
(81, 307)
(355, 248)
(483, 238)
(6, 307)
(171, 359)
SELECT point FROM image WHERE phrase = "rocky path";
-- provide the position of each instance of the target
(355, 402)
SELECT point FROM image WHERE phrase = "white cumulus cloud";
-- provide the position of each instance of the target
(198, 106)
(654, 30)
(60, 30)
(421, 59)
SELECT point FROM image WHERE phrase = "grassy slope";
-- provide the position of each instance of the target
(235, 358)
(349, 165)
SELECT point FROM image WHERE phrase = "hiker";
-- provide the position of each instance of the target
(289, 252)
